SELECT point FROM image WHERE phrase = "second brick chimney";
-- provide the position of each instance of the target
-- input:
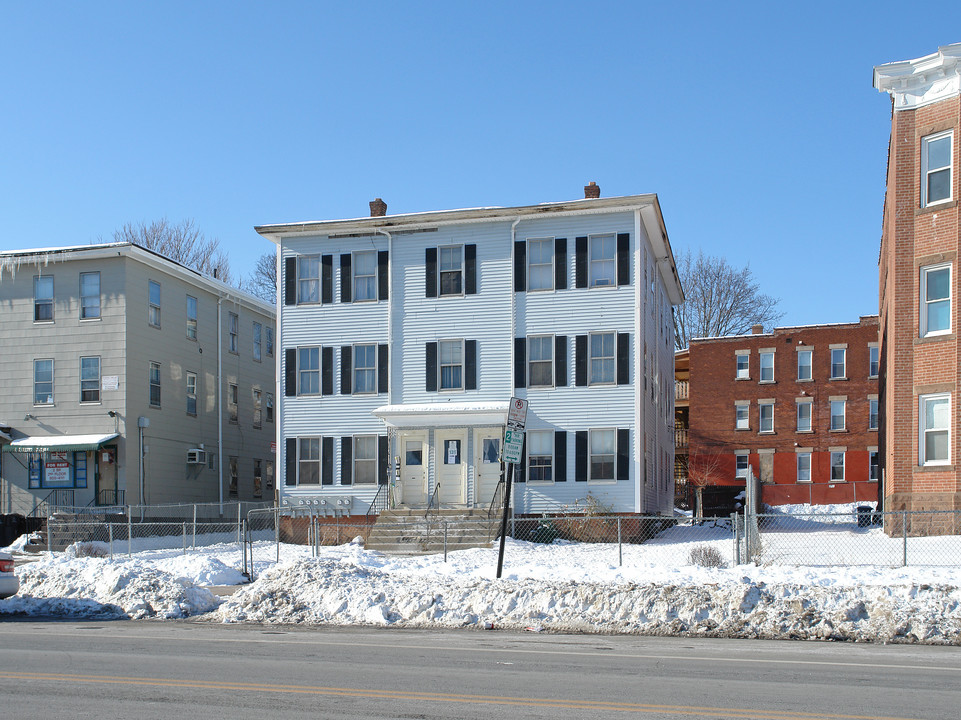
(378, 208)
(592, 191)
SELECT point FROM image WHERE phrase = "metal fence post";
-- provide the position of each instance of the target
(620, 548)
(904, 535)
(240, 509)
(185, 538)
(129, 528)
(195, 527)
(737, 539)
(445, 541)
(110, 539)
(513, 532)
(277, 531)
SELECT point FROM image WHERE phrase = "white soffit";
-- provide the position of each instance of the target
(444, 414)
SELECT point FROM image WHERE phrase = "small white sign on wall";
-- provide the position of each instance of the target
(110, 382)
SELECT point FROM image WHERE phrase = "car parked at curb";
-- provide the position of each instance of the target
(9, 584)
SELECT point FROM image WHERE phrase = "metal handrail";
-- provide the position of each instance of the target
(434, 500)
(378, 505)
(498, 498)
(60, 495)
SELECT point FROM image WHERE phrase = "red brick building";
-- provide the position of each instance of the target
(917, 284)
(798, 406)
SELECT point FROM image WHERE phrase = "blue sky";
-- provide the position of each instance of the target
(755, 123)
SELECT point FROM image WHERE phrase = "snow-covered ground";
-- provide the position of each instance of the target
(557, 587)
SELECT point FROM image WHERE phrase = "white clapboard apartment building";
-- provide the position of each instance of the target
(403, 338)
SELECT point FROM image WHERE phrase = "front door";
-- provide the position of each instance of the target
(487, 465)
(413, 469)
(106, 488)
(451, 471)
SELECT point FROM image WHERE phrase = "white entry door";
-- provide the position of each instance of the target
(413, 469)
(451, 470)
(487, 465)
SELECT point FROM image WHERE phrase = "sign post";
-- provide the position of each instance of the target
(513, 452)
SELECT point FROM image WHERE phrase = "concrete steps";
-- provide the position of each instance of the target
(406, 531)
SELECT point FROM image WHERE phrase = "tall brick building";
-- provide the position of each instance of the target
(798, 406)
(917, 281)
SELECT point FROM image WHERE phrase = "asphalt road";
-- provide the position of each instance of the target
(187, 670)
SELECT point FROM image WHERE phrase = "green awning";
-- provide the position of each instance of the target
(58, 443)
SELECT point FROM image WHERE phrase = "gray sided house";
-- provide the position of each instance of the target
(129, 378)
(403, 338)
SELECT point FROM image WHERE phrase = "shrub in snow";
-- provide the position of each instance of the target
(706, 556)
(88, 549)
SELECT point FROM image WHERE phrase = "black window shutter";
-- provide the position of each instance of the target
(382, 368)
(580, 262)
(520, 362)
(580, 360)
(580, 456)
(431, 369)
(382, 284)
(560, 263)
(327, 370)
(290, 372)
(520, 265)
(290, 281)
(623, 358)
(520, 470)
(327, 461)
(430, 271)
(470, 269)
(327, 279)
(383, 460)
(470, 364)
(345, 278)
(623, 453)
(346, 460)
(560, 456)
(346, 365)
(290, 462)
(623, 258)
(560, 360)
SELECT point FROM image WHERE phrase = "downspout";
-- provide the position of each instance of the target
(220, 406)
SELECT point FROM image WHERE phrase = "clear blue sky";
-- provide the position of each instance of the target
(755, 123)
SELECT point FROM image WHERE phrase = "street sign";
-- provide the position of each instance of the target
(517, 414)
(513, 445)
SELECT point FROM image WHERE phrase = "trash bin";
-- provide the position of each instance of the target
(864, 515)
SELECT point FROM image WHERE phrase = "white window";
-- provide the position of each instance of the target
(43, 382)
(154, 384)
(874, 361)
(838, 363)
(837, 414)
(742, 414)
(603, 451)
(89, 295)
(603, 250)
(153, 303)
(365, 369)
(365, 275)
(308, 279)
(767, 367)
(540, 456)
(540, 264)
(741, 465)
(872, 413)
(451, 364)
(269, 340)
(935, 300)
(804, 416)
(804, 467)
(232, 397)
(365, 459)
(308, 461)
(43, 299)
(936, 181)
(935, 427)
(804, 364)
(308, 370)
(837, 466)
(258, 329)
(191, 318)
(233, 330)
(191, 393)
(258, 408)
(602, 358)
(743, 366)
(451, 267)
(767, 417)
(90, 379)
(541, 364)
(874, 470)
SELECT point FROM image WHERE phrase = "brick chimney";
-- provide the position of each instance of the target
(378, 208)
(592, 191)
(757, 329)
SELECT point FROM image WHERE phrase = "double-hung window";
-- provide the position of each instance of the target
(935, 300)
(874, 469)
(838, 407)
(540, 264)
(269, 404)
(767, 366)
(935, 429)
(602, 358)
(233, 330)
(541, 362)
(804, 364)
(89, 295)
(365, 275)
(743, 371)
(90, 379)
(308, 279)
(603, 452)
(540, 456)
(258, 407)
(365, 459)
(191, 318)
(936, 180)
(837, 466)
(874, 362)
(872, 413)
(451, 269)
(603, 252)
(308, 370)
(365, 369)
(43, 299)
(154, 384)
(269, 340)
(153, 303)
(232, 403)
(766, 413)
(742, 415)
(741, 465)
(191, 393)
(308, 461)
(43, 382)
(838, 363)
(804, 415)
(258, 342)
(451, 366)
(804, 467)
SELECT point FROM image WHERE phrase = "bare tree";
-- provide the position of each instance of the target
(183, 243)
(262, 282)
(719, 300)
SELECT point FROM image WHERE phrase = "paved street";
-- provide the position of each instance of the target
(147, 670)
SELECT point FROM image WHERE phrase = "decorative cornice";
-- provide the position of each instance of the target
(926, 80)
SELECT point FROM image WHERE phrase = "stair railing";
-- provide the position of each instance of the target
(433, 503)
(498, 499)
(55, 499)
(379, 503)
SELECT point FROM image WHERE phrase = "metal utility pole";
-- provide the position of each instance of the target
(513, 449)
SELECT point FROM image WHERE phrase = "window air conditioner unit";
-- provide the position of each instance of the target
(196, 456)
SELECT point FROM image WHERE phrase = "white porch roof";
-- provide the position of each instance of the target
(446, 414)
(58, 443)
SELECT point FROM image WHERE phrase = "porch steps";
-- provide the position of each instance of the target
(406, 531)
(72, 528)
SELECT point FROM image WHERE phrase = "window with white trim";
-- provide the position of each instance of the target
(90, 296)
(451, 269)
(540, 456)
(837, 466)
(365, 369)
(742, 416)
(43, 382)
(805, 360)
(365, 459)
(741, 465)
(451, 364)
(191, 393)
(936, 168)
(364, 265)
(767, 367)
(540, 264)
(804, 415)
(154, 384)
(766, 413)
(153, 303)
(874, 361)
(257, 340)
(603, 452)
(308, 279)
(602, 253)
(872, 413)
(804, 467)
(541, 361)
(743, 371)
(602, 358)
(308, 461)
(43, 298)
(308, 371)
(838, 408)
(935, 429)
(191, 318)
(935, 300)
(90, 379)
(233, 330)
(838, 363)
(874, 468)
(232, 403)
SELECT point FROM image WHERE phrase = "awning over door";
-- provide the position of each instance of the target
(58, 443)
(4, 436)
(444, 414)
